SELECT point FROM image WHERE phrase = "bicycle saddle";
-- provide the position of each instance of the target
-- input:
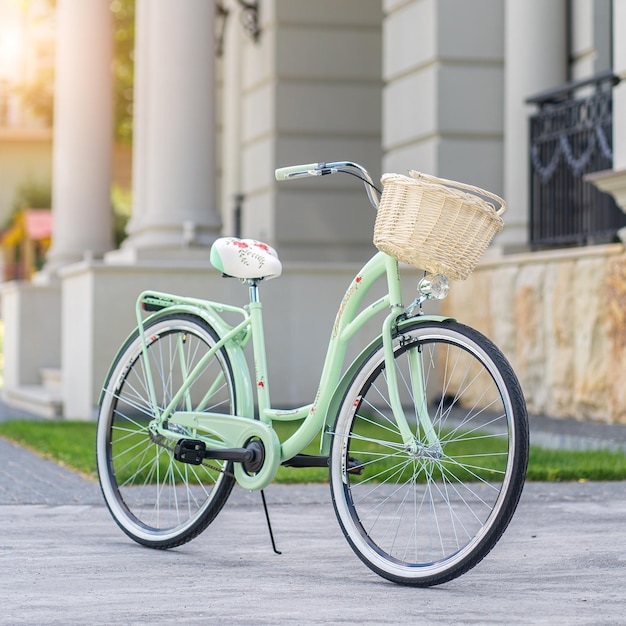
(245, 258)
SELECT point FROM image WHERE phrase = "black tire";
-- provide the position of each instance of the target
(156, 500)
(425, 516)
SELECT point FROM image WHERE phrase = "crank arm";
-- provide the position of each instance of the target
(235, 433)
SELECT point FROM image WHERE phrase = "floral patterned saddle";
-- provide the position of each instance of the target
(245, 259)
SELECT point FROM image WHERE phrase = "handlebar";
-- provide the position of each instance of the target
(293, 171)
(323, 169)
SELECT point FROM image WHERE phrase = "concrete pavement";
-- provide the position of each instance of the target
(64, 561)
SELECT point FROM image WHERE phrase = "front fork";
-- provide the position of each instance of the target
(418, 392)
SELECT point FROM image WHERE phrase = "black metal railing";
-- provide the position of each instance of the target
(571, 136)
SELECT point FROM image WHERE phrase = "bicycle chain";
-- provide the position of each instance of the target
(163, 442)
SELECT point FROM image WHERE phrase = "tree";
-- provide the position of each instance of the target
(38, 95)
(123, 67)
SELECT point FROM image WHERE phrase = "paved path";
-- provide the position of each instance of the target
(64, 561)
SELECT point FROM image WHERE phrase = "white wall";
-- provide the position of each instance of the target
(311, 92)
(299, 310)
(590, 38)
(32, 317)
(443, 97)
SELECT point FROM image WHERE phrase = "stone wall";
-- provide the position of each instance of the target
(560, 318)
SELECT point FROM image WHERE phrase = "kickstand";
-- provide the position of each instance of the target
(269, 524)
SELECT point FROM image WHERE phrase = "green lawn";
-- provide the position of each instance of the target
(72, 445)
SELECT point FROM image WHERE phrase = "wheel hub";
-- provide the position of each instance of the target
(420, 451)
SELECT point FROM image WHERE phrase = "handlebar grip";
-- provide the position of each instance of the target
(283, 173)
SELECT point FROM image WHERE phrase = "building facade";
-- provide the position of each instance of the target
(25, 137)
(447, 87)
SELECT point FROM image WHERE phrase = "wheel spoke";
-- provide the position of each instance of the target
(422, 514)
(155, 499)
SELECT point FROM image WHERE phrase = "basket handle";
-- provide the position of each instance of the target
(462, 186)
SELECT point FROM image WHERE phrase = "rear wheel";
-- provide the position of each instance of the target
(156, 500)
(425, 513)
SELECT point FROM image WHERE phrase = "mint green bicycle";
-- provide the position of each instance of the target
(425, 433)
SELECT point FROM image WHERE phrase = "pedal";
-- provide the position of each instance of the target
(190, 451)
(354, 466)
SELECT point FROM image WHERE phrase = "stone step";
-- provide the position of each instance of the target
(52, 378)
(34, 399)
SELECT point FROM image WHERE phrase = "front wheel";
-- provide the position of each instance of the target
(156, 500)
(424, 513)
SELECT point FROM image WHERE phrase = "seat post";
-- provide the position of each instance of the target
(253, 288)
(255, 308)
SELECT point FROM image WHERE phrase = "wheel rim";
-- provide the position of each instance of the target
(423, 514)
(151, 495)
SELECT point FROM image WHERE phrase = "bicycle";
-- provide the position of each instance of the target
(425, 433)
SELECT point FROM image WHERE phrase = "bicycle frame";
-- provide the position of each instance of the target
(236, 430)
(424, 434)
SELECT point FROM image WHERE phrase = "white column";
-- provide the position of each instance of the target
(619, 92)
(614, 181)
(174, 143)
(535, 59)
(83, 130)
(231, 107)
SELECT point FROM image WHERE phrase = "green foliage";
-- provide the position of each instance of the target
(568, 465)
(33, 194)
(73, 445)
(122, 202)
(69, 443)
(38, 195)
(123, 67)
(38, 95)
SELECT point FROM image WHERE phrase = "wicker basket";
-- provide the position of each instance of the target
(438, 225)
